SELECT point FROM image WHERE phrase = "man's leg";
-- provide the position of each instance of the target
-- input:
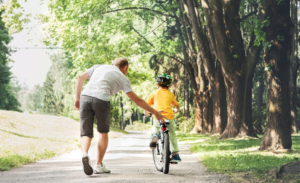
(102, 146)
(102, 113)
(86, 131)
(85, 144)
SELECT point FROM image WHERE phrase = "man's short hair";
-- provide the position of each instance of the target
(121, 62)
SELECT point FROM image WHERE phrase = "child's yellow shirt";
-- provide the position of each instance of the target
(162, 99)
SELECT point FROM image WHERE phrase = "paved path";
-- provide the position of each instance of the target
(129, 159)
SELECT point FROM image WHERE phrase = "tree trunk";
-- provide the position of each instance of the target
(278, 129)
(235, 94)
(210, 112)
(247, 113)
(199, 114)
(260, 91)
(294, 65)
(206, 123)
(259, 99)
(186, 94)
(130, 120)
(123, 121)
(138, 114)
(219, 103)
(293, 101)
(121, 106)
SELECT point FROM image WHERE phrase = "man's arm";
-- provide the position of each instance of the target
(79, 85)
(143, 104)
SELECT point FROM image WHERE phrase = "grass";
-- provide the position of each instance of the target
(12, 161)
(26, 138)
(240, 155)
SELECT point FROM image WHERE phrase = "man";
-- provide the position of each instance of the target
(105, 80)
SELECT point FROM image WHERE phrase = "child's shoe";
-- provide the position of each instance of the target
(153, 140)
(175, 158)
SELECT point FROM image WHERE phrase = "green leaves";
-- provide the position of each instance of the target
(8, 100)
(280, 38)
(267, 45)
(259, 32)
(268, 68)
(13, 14)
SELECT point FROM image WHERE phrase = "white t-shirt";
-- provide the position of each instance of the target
(106, 80)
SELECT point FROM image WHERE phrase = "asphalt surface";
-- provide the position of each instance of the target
(128, 157)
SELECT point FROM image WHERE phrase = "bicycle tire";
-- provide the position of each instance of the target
(166, 154)
(157, 158)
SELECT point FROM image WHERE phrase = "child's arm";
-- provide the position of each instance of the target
(146, 113)
(177, 109)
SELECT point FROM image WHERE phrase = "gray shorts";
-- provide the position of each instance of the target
(91, 107)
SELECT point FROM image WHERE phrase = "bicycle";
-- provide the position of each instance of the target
(161, 154)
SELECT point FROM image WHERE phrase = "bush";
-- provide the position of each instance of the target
(186, 125)
(259, 116)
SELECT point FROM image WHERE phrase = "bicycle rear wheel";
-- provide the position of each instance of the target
(157, 155)
(166, 154)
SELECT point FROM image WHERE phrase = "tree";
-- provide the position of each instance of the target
(14, 15)
(237, 62)
(8, 100)
(58, 86)
(33, 99)
(49, 103)
(186, 95)
(294, 66)
(279, 36)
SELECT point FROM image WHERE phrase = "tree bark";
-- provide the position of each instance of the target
(294, 65)
(186, 94)
(235, 94)
(247, 110)
(293, 101)
(219, 103)
(278, 129)
(199, 114)
(259, 98)
(260, 90)
(206, 123)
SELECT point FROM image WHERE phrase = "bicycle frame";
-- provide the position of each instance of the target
(162, 130)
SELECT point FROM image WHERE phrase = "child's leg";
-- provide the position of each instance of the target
(173, 138)
(155, 127)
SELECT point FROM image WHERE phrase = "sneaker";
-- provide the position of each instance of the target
(153, 140)
(175, 158)
(100, 169)
(86, 164)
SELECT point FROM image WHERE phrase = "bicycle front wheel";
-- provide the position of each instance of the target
(166, 154)
(157, 155)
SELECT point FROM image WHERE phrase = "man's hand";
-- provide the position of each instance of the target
(160, 117)
(77, 102)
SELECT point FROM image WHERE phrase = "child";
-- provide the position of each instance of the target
(163, 99)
